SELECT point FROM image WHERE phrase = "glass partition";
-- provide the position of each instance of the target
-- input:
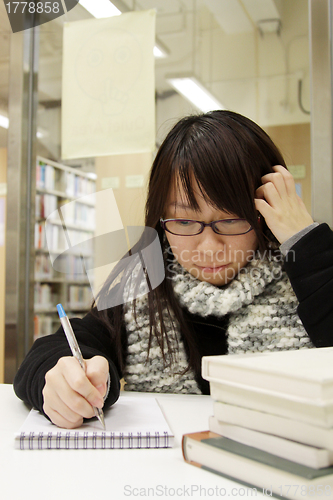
(4, 89)
(254, 61)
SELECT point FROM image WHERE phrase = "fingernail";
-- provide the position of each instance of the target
(101, 388)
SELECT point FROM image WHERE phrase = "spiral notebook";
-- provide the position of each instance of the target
(130, 423)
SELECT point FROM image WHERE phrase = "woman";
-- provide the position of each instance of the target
(222, 202)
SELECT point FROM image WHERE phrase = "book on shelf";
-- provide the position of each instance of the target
(43, 325)
(44, 295)
(290, 449)
(46, 206)
(43, 267)
(303, 373)
(77, 185)
(79, 296)
(266, 422)
(130, 423)
(62, 252)
(264, 472)
(45, 176)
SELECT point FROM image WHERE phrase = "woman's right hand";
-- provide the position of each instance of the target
(70, 393)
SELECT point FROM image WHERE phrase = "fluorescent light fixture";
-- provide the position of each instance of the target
(190, 88)
(160, 50)
(41, 133)
(4, 122)
(100, 8)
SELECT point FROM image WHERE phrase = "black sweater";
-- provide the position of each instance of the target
(309, 265)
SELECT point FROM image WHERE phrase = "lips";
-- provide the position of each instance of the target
(213, 268)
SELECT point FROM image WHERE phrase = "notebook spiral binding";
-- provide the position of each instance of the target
(105, 440)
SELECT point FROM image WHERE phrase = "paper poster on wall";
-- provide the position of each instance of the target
(108, 86)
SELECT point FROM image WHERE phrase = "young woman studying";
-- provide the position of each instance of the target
(246, 270)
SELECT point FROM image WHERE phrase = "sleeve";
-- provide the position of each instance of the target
(93, 338)
(309, 265)
(286, 246)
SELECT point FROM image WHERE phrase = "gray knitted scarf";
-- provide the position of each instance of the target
(262, 313)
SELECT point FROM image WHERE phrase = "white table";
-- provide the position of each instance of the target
(110, 474)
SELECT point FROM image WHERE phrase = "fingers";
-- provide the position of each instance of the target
(60, 421)
(276, 199)
(288, 179)
(70, 394)
(97, 371)
(276, 186)
(78, 381)
(60, 414)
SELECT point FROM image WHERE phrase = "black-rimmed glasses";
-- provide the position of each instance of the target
(189, 227)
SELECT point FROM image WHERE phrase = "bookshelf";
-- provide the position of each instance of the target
(58, 185)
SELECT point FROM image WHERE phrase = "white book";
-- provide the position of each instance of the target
(305, 373)
(284, 427)
(315, 412)
(311, 456)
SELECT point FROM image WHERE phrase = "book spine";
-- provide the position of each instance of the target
(83, 441)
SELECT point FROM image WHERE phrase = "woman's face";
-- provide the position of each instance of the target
(208, 256)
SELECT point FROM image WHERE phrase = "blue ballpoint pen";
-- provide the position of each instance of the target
(74, 346)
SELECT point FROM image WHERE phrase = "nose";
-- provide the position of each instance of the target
(209, 242)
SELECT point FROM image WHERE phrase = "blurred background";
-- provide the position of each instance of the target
(267, 59)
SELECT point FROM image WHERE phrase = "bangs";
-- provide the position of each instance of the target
(219, 175)
(186, 182)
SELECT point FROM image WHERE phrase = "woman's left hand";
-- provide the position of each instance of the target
(284, 211)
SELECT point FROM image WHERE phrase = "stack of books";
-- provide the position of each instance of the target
(272, 427)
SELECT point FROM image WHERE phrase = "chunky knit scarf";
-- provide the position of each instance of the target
(262, 313)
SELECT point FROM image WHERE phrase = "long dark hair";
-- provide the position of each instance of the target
(227, 154)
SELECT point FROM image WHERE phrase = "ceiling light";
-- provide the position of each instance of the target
(4, 121)
(196, 93)
(100, 8)
(160, 50)
(41, 133)
(158, 53)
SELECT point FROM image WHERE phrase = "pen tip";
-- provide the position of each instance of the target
(100, 415)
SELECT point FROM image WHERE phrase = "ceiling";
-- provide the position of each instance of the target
(185, 28)
(178, 26)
